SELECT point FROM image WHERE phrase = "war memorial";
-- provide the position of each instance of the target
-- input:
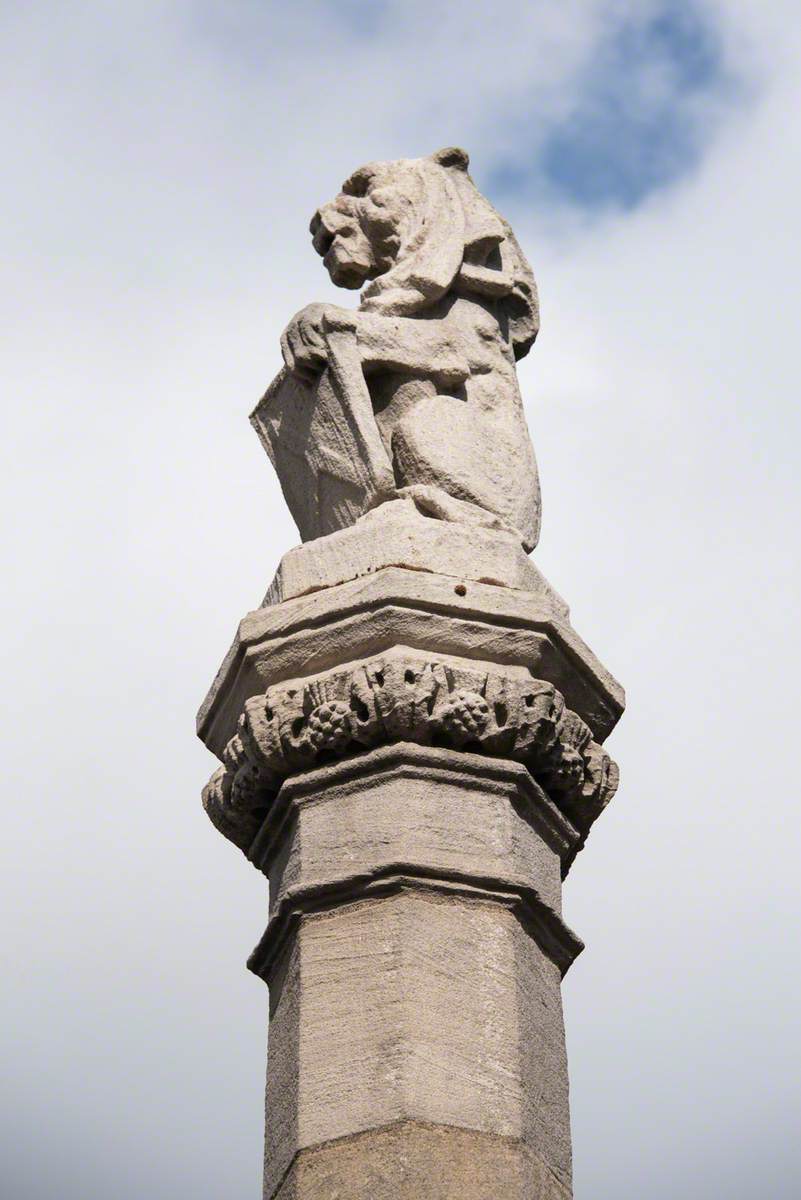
(410, 731)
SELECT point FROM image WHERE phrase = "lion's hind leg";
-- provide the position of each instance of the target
(449, 457)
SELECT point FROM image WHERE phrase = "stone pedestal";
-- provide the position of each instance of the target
(411, 754)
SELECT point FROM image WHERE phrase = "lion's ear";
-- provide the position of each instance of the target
(452, 156)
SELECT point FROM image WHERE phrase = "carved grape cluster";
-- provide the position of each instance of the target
(465, 717)
(329, 726)
(566, 774)
(398, 698)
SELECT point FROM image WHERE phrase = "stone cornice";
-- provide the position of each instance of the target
(406, 695)
(396, 606)
(550, 932)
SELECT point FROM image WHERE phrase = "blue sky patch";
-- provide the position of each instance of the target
(641, 118)
(363, 18)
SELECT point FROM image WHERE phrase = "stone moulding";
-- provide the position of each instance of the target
(478, 864)
(412, 763)
(547, 928)
(397, 606)
(406, 696)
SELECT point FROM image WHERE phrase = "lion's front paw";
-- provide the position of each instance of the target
(303, 342)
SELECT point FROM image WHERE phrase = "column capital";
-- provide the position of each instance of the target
(408, 695)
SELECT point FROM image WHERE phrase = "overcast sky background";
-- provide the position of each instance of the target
(161, 162)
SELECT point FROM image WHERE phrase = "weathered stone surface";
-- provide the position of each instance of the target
(397, 534)
(413, 608)
(404, 695)
(414, 393)
(409, 727)
(414, 954)
(416, 1006)
(415, 809)
(410, 1161)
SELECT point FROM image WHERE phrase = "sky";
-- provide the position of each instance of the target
(161, 163)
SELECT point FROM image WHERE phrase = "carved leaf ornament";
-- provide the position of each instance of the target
(392, 698)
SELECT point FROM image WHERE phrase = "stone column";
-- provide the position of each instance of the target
(411, 734)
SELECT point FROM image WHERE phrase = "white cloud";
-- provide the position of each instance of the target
(155, 243)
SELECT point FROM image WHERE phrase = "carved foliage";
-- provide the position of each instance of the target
(406, 698)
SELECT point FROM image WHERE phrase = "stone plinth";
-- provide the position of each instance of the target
(411, 754)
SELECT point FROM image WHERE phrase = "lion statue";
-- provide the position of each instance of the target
(449, 303)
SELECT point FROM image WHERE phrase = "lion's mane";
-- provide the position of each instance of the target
(437, 233)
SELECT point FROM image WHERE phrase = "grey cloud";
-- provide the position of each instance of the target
(155, 244)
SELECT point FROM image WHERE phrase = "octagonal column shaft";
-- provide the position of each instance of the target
(414, 955)
(413, 757)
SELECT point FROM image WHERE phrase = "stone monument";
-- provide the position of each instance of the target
(410, 729)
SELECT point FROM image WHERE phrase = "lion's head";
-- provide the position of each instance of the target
(417, 228)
